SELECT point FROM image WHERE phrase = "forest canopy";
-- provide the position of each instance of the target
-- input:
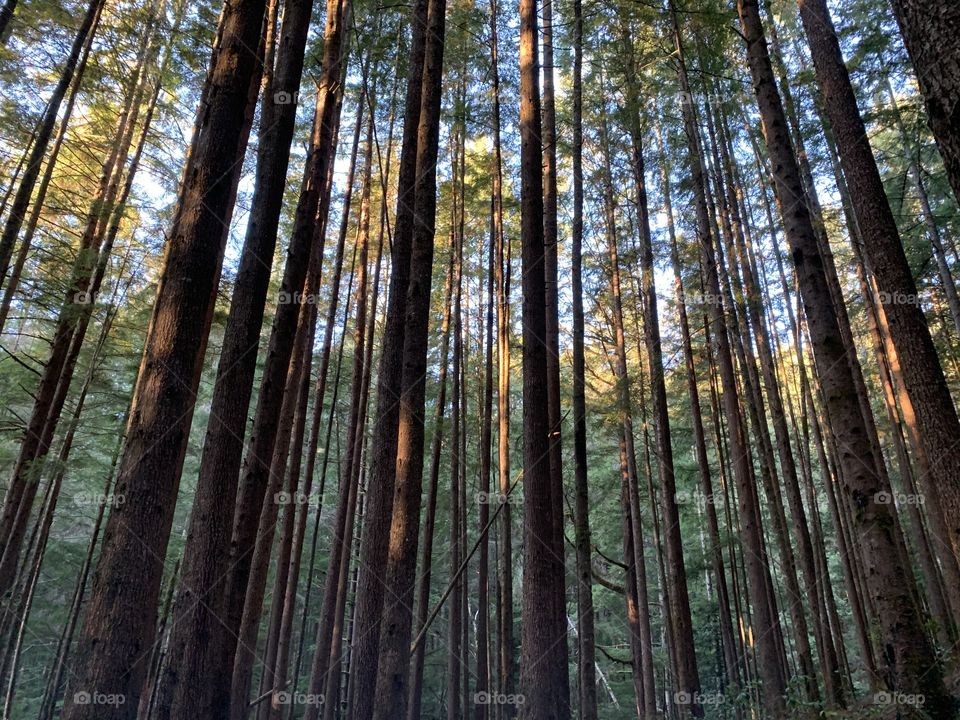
(455, 359)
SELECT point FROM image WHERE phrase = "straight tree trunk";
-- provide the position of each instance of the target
(505, 655)
(455, 711)
(625, 411)
(392, 682)
(481, 710)
(586, 657)
(688, 678)
(378, 508)
(543, 666)
(425, 571)
(550, 263)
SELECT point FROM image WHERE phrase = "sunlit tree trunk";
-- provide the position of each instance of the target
(910, 665)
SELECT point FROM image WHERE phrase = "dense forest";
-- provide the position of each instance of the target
(373, 360)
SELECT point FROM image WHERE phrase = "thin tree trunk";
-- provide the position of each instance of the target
(21, 200)
(39, 199)
(586, 657)
(688, 679)
(415, 701)
(506, 680)
(716, 554)
(455, 629)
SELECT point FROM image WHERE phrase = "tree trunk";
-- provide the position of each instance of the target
(121, 615)
(378, 507)
(543, 668)
(766, 624)
(586, 657)
(923, 376)
(304, 255)
(703, 463)
(414, 703)
(21, 200)
(910, 664)
(395, 626)
(929, 30)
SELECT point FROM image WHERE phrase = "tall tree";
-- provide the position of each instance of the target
(909, 662)
(586, 657)
(543, 668)
(923, 376)
(121, 613)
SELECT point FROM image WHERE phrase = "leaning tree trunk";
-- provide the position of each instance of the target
(931, 32)
(121, 613)
(195, 625)
(303, 256)
(922, 374)
(21, 200)
(766, 624)
(910, 663)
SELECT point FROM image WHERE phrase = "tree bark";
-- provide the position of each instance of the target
(121, 614)
(543, 667)
(910, 664)
(586, 657)
(922, 373)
